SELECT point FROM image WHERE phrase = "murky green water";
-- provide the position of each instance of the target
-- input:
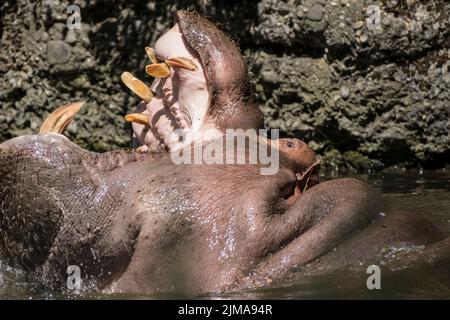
(426, 194)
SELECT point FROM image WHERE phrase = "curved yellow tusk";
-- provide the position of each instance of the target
(59, 119)
(181, 62)
(138, 118)
(158, 70)
(137, 86)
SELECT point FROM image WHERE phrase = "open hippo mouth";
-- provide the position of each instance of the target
(200, 89)
(294, 154)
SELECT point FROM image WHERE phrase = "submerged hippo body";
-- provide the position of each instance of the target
(138, 222)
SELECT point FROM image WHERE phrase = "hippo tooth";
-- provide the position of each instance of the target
(182, 62)
(59, 119)
(151, 54)
(158, 70)
(138, 118)
(137, 86)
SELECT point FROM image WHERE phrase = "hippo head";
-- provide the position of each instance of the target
(201, 87)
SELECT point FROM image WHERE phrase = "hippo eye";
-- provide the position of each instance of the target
(290, 145)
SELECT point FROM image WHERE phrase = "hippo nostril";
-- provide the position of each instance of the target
(290, 145)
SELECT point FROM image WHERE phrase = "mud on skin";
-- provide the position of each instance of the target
(136, 223)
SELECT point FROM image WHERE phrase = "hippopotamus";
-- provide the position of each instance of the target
(134, 221)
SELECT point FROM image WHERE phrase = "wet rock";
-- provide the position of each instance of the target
(58, 52)
(71, 37)
(345, 92)
(315, 13)
(363, 38)
(357, 25)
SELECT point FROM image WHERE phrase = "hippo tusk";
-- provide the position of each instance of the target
(158, 70)
(59, 119)
(151, 54)
(137, 86)
(138, 118)
(182, 62)
(303, 179)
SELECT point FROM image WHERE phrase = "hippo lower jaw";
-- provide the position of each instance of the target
(137, 223)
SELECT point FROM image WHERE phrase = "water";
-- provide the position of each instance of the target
(424, 193)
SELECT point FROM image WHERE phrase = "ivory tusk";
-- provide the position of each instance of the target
(59, 119)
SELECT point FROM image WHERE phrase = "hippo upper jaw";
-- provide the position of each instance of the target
(202, 97)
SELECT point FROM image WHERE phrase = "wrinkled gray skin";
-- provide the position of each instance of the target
(138, 223)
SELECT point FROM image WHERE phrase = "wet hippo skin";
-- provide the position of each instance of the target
(136, 222)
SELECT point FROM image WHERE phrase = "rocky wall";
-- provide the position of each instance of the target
(365, 83)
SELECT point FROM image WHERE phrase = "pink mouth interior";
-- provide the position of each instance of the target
(181, 101)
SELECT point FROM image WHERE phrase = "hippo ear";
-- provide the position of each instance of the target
(232, 102)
